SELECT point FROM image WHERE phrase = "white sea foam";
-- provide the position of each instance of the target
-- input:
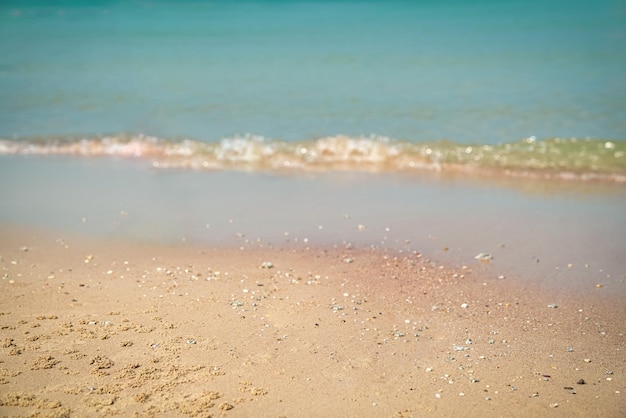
(571, 159)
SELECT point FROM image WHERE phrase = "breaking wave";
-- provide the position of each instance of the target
(581, 159)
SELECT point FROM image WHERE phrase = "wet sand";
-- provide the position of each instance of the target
(559, 235)
(99, 327)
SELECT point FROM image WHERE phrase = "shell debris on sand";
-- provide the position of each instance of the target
(484, 257)
(397, 328)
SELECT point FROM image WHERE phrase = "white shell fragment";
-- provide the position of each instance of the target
(484, 257)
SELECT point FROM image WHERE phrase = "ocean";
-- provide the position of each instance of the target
(450, 128)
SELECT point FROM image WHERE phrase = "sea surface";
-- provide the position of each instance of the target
(445, 127)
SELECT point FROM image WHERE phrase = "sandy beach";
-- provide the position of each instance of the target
(100, 327)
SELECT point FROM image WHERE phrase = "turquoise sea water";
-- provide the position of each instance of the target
(470, 72)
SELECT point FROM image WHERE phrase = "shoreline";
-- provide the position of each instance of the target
(95, 326)
(568, 238)
(525, 161)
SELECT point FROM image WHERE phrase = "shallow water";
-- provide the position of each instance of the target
(533, 234)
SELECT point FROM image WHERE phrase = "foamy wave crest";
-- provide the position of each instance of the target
(572, 158)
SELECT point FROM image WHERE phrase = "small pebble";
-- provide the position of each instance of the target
(553, 306)
(554, 405)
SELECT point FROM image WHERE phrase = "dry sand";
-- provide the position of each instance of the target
(100, 328)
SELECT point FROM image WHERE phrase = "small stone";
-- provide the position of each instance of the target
(553, 306)
(267, 265)
(581, 382)
(587, 360)
(484, 257)
(464, 305)
(554, 405)
(348, 260)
